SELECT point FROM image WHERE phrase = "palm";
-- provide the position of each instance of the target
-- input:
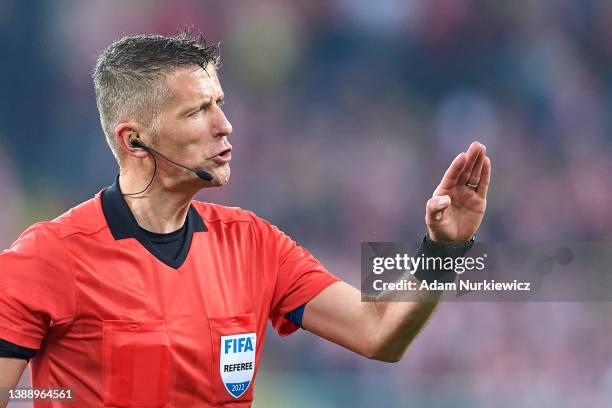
(460, 221)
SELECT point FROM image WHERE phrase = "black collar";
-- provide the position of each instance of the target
(122, 224)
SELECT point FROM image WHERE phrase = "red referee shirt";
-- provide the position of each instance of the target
(123, 326)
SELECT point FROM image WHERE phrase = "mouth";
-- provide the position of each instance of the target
(224, 156)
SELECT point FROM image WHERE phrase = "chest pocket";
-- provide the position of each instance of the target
(136, 359)
(234, 346)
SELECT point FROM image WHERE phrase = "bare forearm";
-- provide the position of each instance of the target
(399, 320)
(379, 329)
(400, 315)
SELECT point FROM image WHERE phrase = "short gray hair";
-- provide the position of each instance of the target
(129, 76)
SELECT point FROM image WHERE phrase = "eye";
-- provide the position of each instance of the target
(220, 102)
(194, 113)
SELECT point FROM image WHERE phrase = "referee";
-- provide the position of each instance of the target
(144, 297)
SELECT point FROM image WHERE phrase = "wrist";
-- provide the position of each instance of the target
(432, 249)
(451, 247)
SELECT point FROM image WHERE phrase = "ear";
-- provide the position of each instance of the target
(125, 133)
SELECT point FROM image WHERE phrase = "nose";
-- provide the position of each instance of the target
(224, 127)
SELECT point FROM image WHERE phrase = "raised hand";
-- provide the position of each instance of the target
(457, 206)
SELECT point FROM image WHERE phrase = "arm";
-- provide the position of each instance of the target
(36, 288)
(11, 370)
(376, 330)
(384, 329)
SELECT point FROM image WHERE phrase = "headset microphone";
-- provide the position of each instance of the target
(204, 175)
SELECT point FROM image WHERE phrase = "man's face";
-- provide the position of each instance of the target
(193, 129)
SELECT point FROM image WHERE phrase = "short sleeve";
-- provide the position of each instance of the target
(36, 288)
(300, 277)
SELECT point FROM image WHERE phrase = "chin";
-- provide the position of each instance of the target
(220, 178)
(219, 183)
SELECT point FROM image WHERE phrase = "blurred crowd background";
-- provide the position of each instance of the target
(346, 114)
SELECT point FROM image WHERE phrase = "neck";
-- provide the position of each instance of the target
(162, 208)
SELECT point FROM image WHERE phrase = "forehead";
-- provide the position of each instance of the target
(193, 84)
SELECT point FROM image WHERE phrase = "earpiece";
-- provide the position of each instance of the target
(204, 175)
(138, 144)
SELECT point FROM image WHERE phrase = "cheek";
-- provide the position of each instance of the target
(191, 133)
(197, 131)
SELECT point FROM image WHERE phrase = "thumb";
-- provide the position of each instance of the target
(435, 207)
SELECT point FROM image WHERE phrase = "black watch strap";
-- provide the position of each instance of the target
(432, 249)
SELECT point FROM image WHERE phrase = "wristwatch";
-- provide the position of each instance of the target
(444, 250)
(432, 249)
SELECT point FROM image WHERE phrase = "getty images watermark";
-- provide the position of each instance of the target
(555, 271)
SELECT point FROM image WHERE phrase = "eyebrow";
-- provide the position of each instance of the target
(206, 101)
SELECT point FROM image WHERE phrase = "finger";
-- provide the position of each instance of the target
(435, 208)
(472, 156)
(451, 176)
(477, 170)
(485, 178)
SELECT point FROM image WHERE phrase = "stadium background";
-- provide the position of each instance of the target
(345, 115)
